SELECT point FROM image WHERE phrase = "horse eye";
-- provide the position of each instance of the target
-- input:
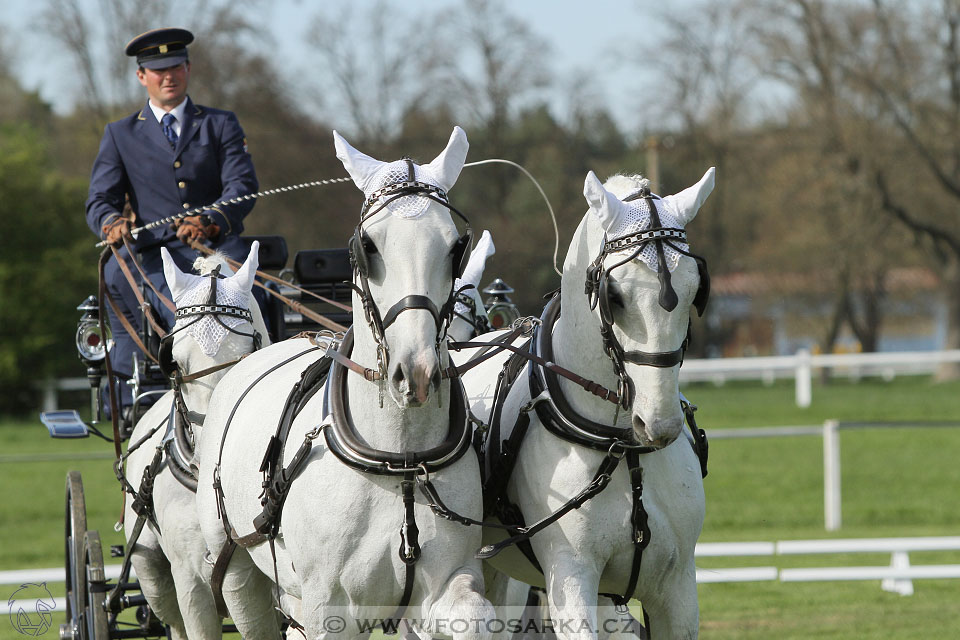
(614, 297)
(368, 246)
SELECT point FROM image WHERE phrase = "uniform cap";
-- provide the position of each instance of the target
(160, 48)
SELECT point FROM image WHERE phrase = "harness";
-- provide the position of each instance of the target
(340, 436)
(558, 416)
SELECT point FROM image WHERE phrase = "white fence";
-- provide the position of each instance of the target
(800, 367)
(830, 432)
(897, 577)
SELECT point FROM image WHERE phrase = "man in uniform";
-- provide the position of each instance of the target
(170, 156)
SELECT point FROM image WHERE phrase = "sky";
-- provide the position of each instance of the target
(582, 35)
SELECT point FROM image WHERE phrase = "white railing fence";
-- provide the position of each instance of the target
(801, 367)
(830, 432)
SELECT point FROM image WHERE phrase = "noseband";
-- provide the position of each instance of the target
(598, 284)
(360, 248)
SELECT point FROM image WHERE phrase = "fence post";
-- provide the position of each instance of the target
(831, 475)
(803, 379)
(49, 401)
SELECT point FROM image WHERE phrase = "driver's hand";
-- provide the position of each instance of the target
(196, 228)
(115, 230)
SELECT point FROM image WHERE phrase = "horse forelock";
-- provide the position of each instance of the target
(205, 264)
(622, 185)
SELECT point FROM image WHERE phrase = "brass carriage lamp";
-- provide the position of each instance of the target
(500, 309)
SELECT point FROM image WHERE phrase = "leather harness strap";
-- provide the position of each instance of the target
(133, 258)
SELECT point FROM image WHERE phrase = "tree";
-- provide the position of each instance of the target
(42, 234)
(886, 82)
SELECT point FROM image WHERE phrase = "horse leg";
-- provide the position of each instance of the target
(156, 581)
(572, 595)
(249, 597)
(462, 610)
(618, 624)
(672, 608)
(200, 616)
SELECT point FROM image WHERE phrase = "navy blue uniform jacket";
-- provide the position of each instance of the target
(209, 164)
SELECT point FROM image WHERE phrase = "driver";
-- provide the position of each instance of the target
(170, 156)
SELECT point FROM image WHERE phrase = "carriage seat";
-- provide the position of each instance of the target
(326, 272)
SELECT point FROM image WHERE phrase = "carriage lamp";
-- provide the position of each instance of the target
(90, 343)
(500, 309)
(92, 348)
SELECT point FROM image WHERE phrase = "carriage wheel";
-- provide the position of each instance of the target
(76, 527)
(95, 616)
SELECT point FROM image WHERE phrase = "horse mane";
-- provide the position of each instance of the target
(622, 184)
(204, 265)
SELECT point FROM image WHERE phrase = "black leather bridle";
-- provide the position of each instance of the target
(361, 247)
(598, 284)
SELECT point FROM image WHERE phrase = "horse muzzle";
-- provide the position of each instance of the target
(412, 382)
(658, 432)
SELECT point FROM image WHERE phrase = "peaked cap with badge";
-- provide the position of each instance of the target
(160, 48)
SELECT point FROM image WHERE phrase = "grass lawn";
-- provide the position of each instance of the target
(896, 482)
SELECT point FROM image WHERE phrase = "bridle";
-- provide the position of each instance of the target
(169, 366)
(597, 291)
(361, 248)
(179, 441)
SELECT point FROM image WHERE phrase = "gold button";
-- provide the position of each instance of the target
(176, 165)
(182, 184)
(186, 205)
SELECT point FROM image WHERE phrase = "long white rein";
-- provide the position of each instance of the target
(317, 183)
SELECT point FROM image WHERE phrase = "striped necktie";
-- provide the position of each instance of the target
(167, 123)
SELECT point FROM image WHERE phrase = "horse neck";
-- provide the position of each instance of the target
(577, 344)
(390, 427)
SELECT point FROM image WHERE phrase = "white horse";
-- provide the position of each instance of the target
(352, 541)
(167, 554)
(626, 337)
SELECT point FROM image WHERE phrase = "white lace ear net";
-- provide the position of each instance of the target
(410, 206)
(634, 216)
(207, 331)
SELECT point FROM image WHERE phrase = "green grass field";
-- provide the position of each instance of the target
(896, 482)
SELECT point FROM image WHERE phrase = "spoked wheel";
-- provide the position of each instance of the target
(94, 615)
(76, 581)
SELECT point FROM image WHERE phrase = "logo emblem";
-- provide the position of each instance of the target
(30, 608)
(163, 48)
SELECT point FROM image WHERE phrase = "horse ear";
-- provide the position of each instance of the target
(478, 259)
(604, 204)
(446, 166)
(248, 270)
(177, 281)
(360, 166)
(687, 203)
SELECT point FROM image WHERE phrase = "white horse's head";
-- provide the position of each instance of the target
(407, 252)
(644, 291)
(204, 338)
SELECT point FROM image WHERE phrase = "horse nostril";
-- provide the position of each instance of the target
(638, 424)
(398, 378)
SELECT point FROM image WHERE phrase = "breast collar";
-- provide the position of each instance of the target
(552, 407)
(347, 445)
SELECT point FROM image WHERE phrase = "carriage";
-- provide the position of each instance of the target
(626, 331)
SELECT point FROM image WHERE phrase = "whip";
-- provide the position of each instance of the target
(250, 196)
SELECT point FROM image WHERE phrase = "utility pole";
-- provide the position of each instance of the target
(653, 163)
